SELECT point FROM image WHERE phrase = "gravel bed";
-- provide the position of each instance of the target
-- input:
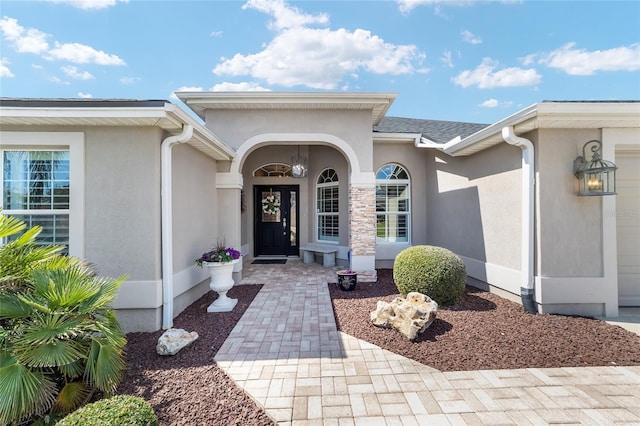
(189, 388)
(485, 331)
(482, 331)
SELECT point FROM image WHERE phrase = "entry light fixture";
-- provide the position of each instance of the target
(595, 177)
(298, 165)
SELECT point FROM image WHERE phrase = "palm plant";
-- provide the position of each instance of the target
(59, 339)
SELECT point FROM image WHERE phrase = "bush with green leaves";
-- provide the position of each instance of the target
(121, 410)
(59, 338)
(434, 271)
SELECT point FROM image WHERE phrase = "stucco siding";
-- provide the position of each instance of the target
(474, 205)
(354, 127)
(123, 201)
(569, 226)
(195, 222)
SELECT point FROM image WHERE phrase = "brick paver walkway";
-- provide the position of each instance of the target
(287, 354)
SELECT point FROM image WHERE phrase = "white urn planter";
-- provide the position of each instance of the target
(221, 283)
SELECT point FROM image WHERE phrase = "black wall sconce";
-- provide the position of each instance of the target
(595, 177)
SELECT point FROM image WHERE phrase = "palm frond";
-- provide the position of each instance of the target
(11, 307)
(10, 225)
(105, 365)
(71, 396)
(24, 392)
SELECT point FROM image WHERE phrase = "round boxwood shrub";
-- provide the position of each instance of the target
(434, 271)
(121, 410)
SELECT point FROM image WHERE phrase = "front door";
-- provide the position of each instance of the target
(276, 220)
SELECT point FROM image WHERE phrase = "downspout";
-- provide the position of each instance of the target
(527, 287)
(167, 223)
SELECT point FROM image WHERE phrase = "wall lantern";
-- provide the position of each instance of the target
(298, 165)
(595, 177)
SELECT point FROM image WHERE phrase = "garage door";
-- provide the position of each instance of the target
(628, 226)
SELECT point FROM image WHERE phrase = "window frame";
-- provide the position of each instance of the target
(390, 180)
(73, 142)
(331, 184)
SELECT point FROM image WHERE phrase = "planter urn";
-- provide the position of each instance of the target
(221, 282)
(347, 280)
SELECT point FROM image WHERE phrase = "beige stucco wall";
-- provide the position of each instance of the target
(474, 208)
(569, 226)
(123, 201)
(354, 127)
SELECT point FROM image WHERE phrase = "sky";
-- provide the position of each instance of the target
(456, 60)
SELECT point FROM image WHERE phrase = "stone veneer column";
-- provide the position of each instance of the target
(362, 231)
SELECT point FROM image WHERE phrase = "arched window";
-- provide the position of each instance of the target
(392, 204)
(273, 170)
(327, 206)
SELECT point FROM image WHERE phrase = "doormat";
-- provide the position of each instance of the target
(269, 262)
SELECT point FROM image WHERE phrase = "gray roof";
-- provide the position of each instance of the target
(433, 130)
(75, 102)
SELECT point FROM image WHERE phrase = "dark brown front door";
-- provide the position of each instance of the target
(276, 220)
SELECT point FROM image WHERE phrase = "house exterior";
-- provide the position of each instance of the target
(144, 187)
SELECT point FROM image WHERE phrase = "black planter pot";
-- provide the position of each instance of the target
(347, 282)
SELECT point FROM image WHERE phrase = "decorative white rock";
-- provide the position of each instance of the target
(173, 340)
(409, 316)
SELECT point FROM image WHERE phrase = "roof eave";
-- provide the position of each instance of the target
(549, 115)
(169, 117)
(377, 102)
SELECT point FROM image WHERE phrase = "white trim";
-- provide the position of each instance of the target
(74, 142)
(577, 290)
(264, 139)
(139, 295)
(505, 278)
(363, 263)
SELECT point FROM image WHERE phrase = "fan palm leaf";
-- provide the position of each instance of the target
(24, 391)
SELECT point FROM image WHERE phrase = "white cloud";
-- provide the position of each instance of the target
(407, 6)
(246, 86)
(4, 69)
(35, 41)
(489, 103)
(285, 16)
(469, 37)
(583, 62)
(85, 95)
(24, 40)
(89, 4)
(75, 73)
(321, 58)
(446, 58)
(318, 58)
(129, 80)
(184, 89)
(485, 76)
(215, 34)
(494, 103)
(58, 80)
(83, 54)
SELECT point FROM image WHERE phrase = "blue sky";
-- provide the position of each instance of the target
(474, 61)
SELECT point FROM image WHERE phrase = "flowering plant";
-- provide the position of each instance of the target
(271, 204)
(220, 254)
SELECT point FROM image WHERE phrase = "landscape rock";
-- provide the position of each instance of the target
(173, 340)
(410, 316)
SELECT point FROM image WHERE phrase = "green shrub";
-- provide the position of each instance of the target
(120, 410)
(434, 271)
(60, 340)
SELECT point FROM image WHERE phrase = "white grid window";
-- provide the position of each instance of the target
(392, 204)
(42, 182)
(327, 209)
(36, 190)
